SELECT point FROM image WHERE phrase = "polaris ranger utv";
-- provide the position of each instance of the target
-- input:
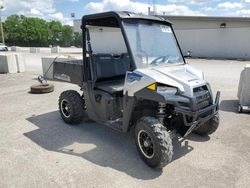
(133, 76)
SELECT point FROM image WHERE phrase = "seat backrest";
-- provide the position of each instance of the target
(110, 66)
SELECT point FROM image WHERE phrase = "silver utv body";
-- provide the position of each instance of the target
(119, 64)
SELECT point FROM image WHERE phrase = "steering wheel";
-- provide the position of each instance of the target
(159, 60)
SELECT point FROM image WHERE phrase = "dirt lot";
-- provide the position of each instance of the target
(37, 149)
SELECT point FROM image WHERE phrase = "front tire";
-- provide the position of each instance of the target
(209, 127)
(153, 142)
(71, 107)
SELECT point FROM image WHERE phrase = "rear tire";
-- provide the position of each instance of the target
(153, 142)
(209, 127)
(71, 107)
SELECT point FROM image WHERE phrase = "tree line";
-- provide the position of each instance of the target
(25, 31)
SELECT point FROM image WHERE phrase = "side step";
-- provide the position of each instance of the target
(115, 124)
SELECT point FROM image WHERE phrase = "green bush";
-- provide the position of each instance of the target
(28, 31)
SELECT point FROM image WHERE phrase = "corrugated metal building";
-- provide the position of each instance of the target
(212, 37)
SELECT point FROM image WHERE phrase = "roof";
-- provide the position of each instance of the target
(207, 18)
(125, 15)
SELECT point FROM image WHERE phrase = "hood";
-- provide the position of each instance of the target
(183, 77)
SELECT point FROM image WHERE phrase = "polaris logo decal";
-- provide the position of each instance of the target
(63, 77)
(133, 77)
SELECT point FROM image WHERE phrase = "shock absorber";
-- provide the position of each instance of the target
(161, 112)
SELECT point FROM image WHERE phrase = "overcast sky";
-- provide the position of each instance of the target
(61, 9)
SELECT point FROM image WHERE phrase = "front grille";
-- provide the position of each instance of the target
(202, 97)
(200, 88)
(203, 104)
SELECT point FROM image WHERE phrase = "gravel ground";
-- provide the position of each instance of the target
(37, 149)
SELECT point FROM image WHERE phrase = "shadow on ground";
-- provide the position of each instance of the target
(111, 148)
(229, 105)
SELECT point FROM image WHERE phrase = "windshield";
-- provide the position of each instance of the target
(152, 44)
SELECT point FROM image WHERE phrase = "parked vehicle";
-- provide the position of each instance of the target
(133, 74)
(3, 47)
(244, 90)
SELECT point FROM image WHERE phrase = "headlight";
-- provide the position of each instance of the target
(167, 89)
(160, 88)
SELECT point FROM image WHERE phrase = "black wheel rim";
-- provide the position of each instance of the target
(146, 144)
(65, 108)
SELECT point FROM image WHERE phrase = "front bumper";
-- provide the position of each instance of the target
(193, 118)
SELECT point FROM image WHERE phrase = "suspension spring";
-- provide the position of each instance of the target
(161, 113)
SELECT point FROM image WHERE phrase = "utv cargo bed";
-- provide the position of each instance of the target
(69, 71)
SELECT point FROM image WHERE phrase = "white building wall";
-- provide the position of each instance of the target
(203, 37)
(206, 38)
(216, 43)
(77, 26)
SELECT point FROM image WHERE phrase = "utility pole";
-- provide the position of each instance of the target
(154, 7)
(1, 25)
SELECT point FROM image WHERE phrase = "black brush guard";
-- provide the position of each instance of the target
(199, 116)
